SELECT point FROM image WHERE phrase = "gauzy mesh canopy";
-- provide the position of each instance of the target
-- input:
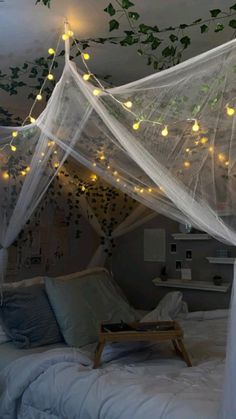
(174, 150)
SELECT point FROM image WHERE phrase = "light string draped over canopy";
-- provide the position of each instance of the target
(173, 149)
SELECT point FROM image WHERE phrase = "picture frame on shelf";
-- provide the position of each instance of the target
(188, 254)
(173, 248)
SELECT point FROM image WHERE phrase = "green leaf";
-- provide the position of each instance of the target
(215, 12)
(144, 28)
(232, 23)
(168, 51)
(134, 15)
(185, 41)
(113, 24)
(197, 21)
(173, 37)
(183, 26)
(126, 4)
(110, 10)
(233, 7)
(219, 27)
(205, 88)
(156, 43)
(204, 28)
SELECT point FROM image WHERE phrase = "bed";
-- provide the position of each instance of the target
(135, 380)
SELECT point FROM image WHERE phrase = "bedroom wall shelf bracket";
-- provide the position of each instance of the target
(193, 285)
(189, 236)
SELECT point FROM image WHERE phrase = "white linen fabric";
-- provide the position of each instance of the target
(135, 380)
(189, 174)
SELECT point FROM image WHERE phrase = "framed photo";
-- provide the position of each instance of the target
(178, 265)
(188, 254)
(173, 248)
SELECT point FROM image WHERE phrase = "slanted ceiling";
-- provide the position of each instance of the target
(26, 32)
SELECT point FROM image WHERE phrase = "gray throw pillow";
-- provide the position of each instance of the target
(27, 317)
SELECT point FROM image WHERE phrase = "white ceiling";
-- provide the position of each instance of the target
(27, 31)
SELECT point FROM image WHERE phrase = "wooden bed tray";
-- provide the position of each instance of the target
(151, 331)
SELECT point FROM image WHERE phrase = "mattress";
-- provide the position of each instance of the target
(9, 352)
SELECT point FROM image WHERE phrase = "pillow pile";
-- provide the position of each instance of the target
(27, 317)
(82, 301)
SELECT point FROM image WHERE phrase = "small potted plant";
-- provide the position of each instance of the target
(217, 279)
(163, 274)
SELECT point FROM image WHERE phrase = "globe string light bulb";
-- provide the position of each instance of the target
(86, 56)
(186, 164)
(195, 127)
(203, 140)
(13, 147)
(128, 104)
(136, 125)
(32, 120)
(65, 36)
(70, 33)
(165, 131)
(14, 134)
(230, 111)
(97, 92)
(51, 51)
(5, 175)
(86, 77)
(50, 76)
(39, 97)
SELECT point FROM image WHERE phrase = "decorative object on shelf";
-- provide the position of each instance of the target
(173, 248)
(178, 265)
(217, 279)
(191, 236)
(188, 254)
(163, 274)
(223, 253)
(186, 274)
(185, 228)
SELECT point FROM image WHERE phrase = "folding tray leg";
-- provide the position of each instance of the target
(184, 352)
(98, 353)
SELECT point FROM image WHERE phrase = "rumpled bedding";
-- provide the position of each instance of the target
(136, 381)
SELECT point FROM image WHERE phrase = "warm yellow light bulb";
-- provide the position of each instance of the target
(150, 190)
(195, 127)
(196, 142)
(97, 92)
(70, 33)
(102, 157)
(13, 148)
(39, 97)
(108, 167)
(50, 76)
(230, 111)
(23, 172)
(136, 125)
(14, 134)
(83, 188)
(56, 165)
(86, 56)
(65, 36)
(86, 77)
(187, 150)
(186, 164)
(28, 169)
(128, 104)
(211, 149)
(165, 131)
(93, 177)
(5, 175)
(227, 163)
(32, 120)
(141, 190)
(118, 180)
(203, 140)
(94, 164)
(221, 157)
(115, 173)
(51, 51)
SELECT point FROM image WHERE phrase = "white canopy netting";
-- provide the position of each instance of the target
(167, 140)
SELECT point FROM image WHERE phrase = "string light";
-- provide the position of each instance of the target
(5, 175)
(165, 131)
(221, 157)
(94, 164)
(230, 111)
(32, 120)
(128, 104)
(141, 190)
(211, 149)
(186, 164)
(83, 188)
(195, 127)
(28, 168)
(23, 172)
(86, 56)
(115, 173)
(50, 76)
(70, 33)
(39, 97)
(97, 92)
(196, 142)
(13, 148)
(150, 190)
(108, 167)
(93, 177)
(65, 36)
(51, 51)
(118, 180)
(187, 150)
(14, 134)
(227, 163)
(86, 77)
(102, 157)
(204, 140)
(136, 125)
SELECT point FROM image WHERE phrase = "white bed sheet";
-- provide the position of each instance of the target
(135, 381)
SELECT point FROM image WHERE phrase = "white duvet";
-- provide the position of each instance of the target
(135, 382)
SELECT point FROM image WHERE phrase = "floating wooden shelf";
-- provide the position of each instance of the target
(194, 285)
(189, 236)
(223, 261)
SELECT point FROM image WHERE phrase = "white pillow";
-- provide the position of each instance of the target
(10, 285)
(167, 309)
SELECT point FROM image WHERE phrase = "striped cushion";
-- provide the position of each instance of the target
(27, 317)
